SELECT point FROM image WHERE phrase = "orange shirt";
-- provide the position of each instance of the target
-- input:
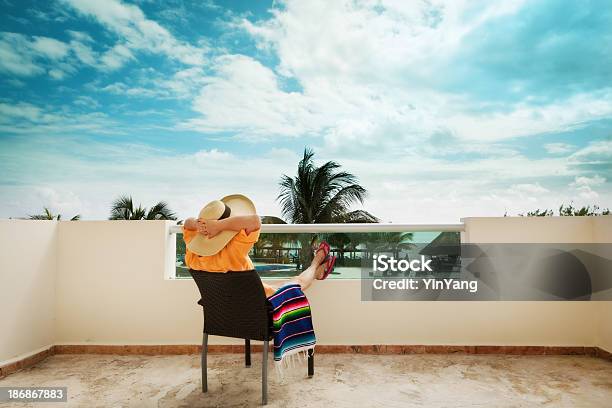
(234, 257)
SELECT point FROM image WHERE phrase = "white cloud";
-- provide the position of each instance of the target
(585, 186)
(525, 119)
(559, 148)
(247, 98)
(80, 36)
(81, 47)
(59, 201)
(137, 32)
(365, 71)
(147, 82)
(116, 57)
(26, 56)
(588, 181)
(120, 88)
(17, 56)
(87, 102)
(588, 193)
(29, 56)
(84, 53)
(528, 188)
(50, 47)
(21, 110)
(374, 41)
(57, 73)
(212, 155)
(54, 13)
(28, 119)
(596, 152)
(184, 83)
(530, 192)
(244, 97)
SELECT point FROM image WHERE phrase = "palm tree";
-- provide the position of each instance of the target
(48, 215)
(322, 194)
(123, 209)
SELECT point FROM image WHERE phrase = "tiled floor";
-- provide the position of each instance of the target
(341, 380)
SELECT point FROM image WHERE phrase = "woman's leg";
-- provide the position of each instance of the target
(304, 279)
(315, 270)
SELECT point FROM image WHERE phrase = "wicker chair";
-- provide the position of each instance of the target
(235, 305)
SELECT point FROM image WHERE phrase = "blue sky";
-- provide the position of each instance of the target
(443, 109)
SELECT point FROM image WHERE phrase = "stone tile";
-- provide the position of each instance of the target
(340, 380)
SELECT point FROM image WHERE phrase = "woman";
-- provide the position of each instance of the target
(220, 239)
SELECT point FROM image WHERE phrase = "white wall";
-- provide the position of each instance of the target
(602, 229)
(597, 316)
(341, 318)
(604, 335)
(110, 289)
(529, 229)
(602, 232)
(28, 261)
(125, 300)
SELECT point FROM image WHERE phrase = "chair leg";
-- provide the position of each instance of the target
(203, 361)
(264, 375)
(310, 363)
(247, 352)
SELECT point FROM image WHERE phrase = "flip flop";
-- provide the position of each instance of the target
(325, 247)
(329, 262)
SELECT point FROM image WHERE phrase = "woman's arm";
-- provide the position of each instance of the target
(248, 223)
(191, 224)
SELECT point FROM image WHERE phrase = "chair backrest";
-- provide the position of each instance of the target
(235, 304)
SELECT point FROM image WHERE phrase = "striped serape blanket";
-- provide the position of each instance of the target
(292, 326)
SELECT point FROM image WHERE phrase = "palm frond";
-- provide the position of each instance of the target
(160, 211)
(356, 217)
(122, 208)
(46, 215)
(139, 213)
(291, 207)
(270, 219)
(38, 217)
(343, 199)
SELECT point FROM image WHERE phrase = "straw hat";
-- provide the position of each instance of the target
(231, 205)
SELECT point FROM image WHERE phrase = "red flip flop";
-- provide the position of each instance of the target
(329, 262)
(325, 247)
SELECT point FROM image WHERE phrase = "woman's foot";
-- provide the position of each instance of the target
(320, 272)
(321, 253)
(327, 267)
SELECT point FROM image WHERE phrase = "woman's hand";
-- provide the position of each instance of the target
(248, 223)
(208, 228)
